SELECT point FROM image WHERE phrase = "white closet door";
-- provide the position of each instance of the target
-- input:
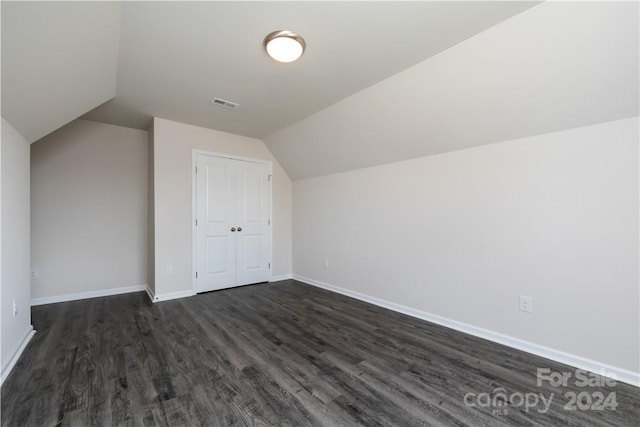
(252, 208)
(216, 205)
(233, 239)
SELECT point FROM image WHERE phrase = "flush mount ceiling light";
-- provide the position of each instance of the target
(284, 46)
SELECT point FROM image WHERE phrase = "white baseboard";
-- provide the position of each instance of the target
(169, 296)
(150, 293)
(85, 295)
(281, 277)
(16, 354)
(596, 367)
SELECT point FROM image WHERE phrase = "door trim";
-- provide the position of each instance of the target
(194, 210)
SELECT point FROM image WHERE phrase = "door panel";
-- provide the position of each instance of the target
(217, 194)
(252, 204)
(217, 254)
(232, 194)
(251, 200)
(252, 256)
(215, 204)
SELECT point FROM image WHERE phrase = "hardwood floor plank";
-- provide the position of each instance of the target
(283, 354)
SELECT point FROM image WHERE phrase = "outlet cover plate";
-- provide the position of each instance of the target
(526, 304)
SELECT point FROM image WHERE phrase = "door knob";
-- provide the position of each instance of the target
(239, 228)
(233, 229)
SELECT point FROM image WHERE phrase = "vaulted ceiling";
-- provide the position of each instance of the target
(556, 66)
(379, 82)
(175, 57)
(169, 59)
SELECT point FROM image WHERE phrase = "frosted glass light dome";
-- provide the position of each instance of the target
(284, 46)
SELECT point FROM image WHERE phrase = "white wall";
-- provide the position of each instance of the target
(89, 209)
(15, 246)
(463, 234)
(173, 144)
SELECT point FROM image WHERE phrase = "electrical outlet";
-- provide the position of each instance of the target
(34, 273)
(326, 263)
(526, 304)
(169, 270)
(15, 308)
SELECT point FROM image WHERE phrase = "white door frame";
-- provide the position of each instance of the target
(194, 209)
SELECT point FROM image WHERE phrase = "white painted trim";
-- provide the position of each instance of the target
(194, 208)
(599, 368)
(150, 293)
(281, 277)
(197, 151)
(172, 295)
(194, 215)
(166, 297)
(85, 295)
(16, 355)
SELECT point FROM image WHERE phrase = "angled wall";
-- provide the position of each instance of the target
(556, 66)
(59, 60)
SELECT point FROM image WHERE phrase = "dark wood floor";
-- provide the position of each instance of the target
(282, 354)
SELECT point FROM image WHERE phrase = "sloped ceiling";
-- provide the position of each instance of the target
(175, 57)
(59, 60)
(556, 66)
(379, 82)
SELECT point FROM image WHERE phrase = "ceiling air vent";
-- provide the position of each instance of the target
(225, 104)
